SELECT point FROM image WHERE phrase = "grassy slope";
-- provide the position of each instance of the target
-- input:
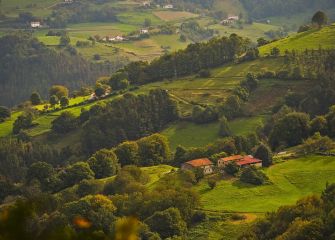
(291, 180)
(252, 31)
(312, 39)
(188, 134)
(191, 89)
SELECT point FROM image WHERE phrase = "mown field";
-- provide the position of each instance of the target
(189, 134)
(291, 180)
(252, 31)
(312, 39)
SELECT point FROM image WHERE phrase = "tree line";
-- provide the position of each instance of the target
(195, 57)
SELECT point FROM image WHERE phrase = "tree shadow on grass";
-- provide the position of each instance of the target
(204, 190)
(241, 185)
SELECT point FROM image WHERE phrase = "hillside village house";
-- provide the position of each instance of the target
(203, 163)
(113, 39)
(231, 19)
(35, 24)
(144, 31)
(146, 4)
(168, 6)
(241, 161)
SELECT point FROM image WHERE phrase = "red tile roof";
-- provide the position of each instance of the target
(232, 158)
(200, 162)
(248, 160)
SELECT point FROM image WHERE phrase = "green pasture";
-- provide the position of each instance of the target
(291, 180)
(313, 39)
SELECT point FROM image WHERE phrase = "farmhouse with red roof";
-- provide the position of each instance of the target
(242, 161)
(203, 163)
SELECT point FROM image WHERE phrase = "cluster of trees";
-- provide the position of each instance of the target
(128, 118)
(230, 109)
(310, 218)
(79, 12)
(317, 65)
(4, 113)
(195, 32)
(100, 212)
(195, 57)
(263, 8)
(287, 128)
(147, 151)
(32, 66)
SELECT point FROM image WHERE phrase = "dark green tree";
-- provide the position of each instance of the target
(224, 127)
(65, 123)
(167, 223)
(64, 101)
(104, 163)
(264, 153)
(35, 98)
(253, 176)
(53, 100)
(320, 18)
(127, 153)
(75, 173)
(231, 168)
(290, 130)
(4, 113)
(24, 121)
(59, 90)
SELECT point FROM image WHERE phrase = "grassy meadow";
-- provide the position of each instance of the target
(291, 180)
(312, 39)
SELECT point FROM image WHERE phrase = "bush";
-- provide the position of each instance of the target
(4, 112)
(198, 216)
(211, 183)
(204, 73)
(253, 176)
(231, 168)
(65, 123)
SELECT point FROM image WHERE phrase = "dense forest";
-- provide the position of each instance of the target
(129, 118)
(27, 65)
(264, 8)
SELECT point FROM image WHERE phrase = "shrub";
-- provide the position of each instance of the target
(253, 176)
(65, 123)
(231, 168)
(204, 73)
(198, 216)
(211, 183)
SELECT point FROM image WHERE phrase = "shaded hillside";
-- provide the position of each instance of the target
(27, 65)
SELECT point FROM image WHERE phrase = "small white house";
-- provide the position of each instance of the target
(146, 4)
(144, 31)
(168, 6)
(68, 1)
(35, 24)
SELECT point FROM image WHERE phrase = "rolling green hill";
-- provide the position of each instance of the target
(291, 180)
(313, 39)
